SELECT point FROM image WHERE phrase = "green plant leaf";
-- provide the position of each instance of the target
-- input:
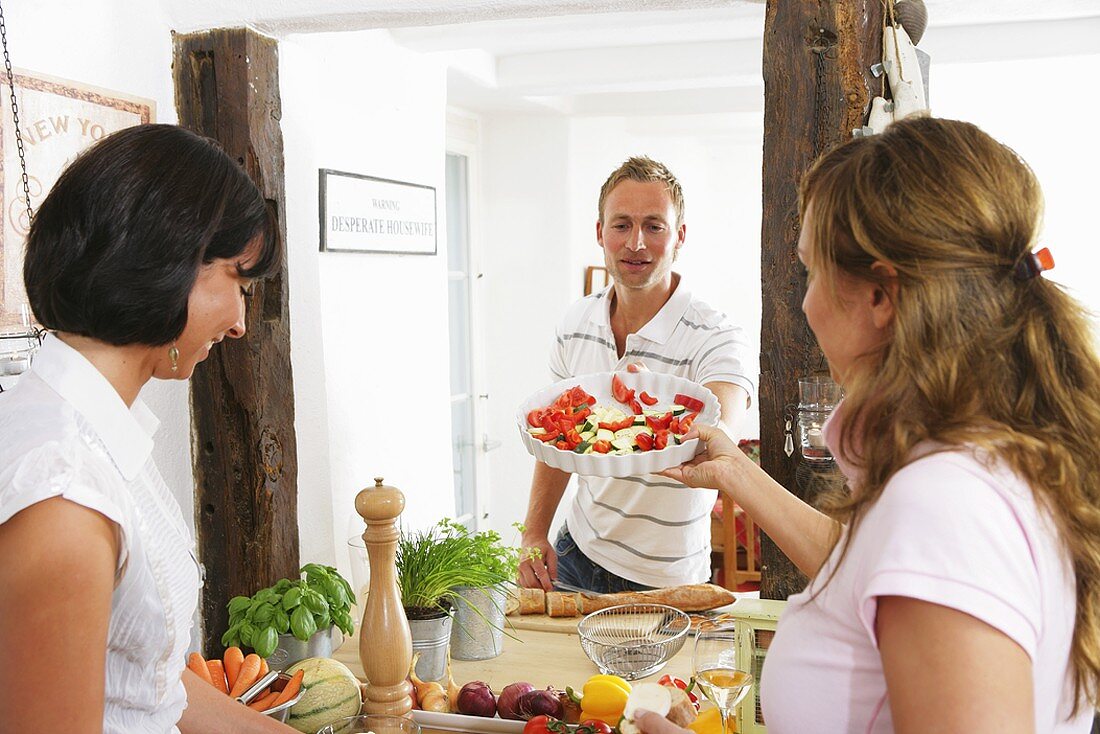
(282, 585)
(314, 601)
(238, 604)
(280, 621)
(246, 633)
(302, 623)
(230, 637)
(265, 641)
(292, 598)
(263, 615)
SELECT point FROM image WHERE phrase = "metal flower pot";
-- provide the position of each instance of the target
(430, 638)
(479, 623)
(290, 649)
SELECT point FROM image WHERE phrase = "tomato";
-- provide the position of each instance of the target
(580, 415)
(660, 440)
(686, 421)
(674, 426)
(659, 423)
(647, 398)
(534, 418)
(689, 402)
(578, 397)
(564, 446)
(593, 726)
(563, 402)
(549, 436)
(601, 447)
(644, 441)
(620, 391)
(544, 724)
(636, 407)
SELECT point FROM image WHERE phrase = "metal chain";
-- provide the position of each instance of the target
(15, 117)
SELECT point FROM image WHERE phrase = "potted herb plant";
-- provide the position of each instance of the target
(292, 620)
(432, 566)
(479, 609)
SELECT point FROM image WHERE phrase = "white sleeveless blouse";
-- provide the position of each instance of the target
(68, 433)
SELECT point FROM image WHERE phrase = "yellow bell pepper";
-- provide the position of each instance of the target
(604, 697)
(709, 721)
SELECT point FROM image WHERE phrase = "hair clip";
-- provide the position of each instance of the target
(1034, 263)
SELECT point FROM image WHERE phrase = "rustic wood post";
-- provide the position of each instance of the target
(242, 396)
(817, 88)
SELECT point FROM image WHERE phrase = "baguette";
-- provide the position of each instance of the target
(687, 598)
(532, 601)
(561, 604)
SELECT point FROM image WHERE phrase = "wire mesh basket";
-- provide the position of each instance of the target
(633, 640)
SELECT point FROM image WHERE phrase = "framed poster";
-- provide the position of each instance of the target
(367, 214)
(58, 118)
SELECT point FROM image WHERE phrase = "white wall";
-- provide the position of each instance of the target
(1039, 108)
(369, 331)
(542, 180)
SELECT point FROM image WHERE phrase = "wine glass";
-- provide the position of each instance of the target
(717, 670)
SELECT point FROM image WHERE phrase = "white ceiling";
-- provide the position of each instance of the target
(599, 57)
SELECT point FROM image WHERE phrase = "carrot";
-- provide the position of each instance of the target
(264, 702)
(263, 668)
(198, 666)
(290, 690)
(233, 658)
(217, 675)
(249, 674)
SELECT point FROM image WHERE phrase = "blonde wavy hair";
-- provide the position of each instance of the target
(977, 357)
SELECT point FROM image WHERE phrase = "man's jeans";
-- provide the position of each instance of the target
(577, 569)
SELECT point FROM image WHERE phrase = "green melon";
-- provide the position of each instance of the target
(329, 692)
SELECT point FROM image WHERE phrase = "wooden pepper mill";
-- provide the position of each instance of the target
(385, 646)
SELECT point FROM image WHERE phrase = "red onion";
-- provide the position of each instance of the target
(508, 701)
(537, 703)
(476, 699)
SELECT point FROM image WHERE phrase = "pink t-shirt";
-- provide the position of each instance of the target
(948, 530)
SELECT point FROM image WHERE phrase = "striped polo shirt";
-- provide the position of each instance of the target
(648, 529)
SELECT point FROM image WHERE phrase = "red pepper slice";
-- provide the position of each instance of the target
(644, 441)
(689, 402)
(601, 447)
(658, 422)
(647, 398)
(686, 421)
(660, 440)
(534, 418)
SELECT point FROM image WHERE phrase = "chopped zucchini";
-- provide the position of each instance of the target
(678, 410)
(582, 447)
(605, 435)
(536, 431)
(587, 435)
(625, 443)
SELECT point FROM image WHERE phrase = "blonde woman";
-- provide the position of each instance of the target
(957, 587)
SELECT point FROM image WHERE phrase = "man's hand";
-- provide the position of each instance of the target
(539, 568)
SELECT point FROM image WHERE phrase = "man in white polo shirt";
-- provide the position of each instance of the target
(646, 531)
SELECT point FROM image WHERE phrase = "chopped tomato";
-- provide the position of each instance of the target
(563, 402)
(549, 436)
(636, 407)
(534, 418)
(620, 391)
(647, 398)
(660, 440)
(581, 414)
(658, 423)
(644, 441)
(594, 726)
(689, 402)
(686, 421)
(563, 445)
(543, 724)
(674, 426)
(579, 397)
(601, 447)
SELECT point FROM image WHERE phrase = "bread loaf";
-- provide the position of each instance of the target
(688, 598)
(561, 604)
(532, 601)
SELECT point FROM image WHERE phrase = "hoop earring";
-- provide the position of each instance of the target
(173, 357)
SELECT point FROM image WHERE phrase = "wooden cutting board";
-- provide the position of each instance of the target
(543, 623)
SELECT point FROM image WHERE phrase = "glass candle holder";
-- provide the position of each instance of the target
(818, 395)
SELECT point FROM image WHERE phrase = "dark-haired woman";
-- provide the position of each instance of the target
(139, 261)
(957, 587)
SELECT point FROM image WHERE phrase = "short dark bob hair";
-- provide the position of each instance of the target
(116, 247)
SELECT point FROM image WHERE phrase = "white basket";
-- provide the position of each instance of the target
(660, 385)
